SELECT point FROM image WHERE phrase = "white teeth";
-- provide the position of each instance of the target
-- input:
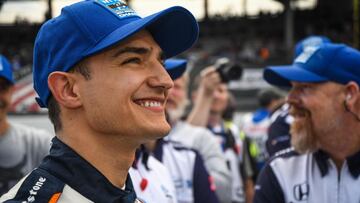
(155, 104)
(150, 104)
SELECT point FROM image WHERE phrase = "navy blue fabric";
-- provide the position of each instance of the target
(267, 189)
(228, 140)
(321, 159)
(278, 135)
(202, 184)
(39, 186)
(353, 162)
(158, 151)
(70, 168)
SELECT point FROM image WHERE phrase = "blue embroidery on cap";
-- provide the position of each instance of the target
(119, 7)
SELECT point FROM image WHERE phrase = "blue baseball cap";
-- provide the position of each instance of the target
(327, 62)
(175, 67)
(88, 27)
(5, 69)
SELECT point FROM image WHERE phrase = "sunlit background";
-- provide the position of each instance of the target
(33, 10)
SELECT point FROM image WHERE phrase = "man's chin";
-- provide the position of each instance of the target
(302, 137)
(160, 131)
(165, 132)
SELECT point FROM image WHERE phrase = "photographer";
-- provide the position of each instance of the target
(211, 99)
(211, 78)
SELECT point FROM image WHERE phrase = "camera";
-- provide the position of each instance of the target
(228, 71)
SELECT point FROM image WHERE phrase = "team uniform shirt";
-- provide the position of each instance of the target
(255, 127)
(308, 178)
(192, 182)
(65, 177)
(228, 136)
(21, 150)
(279, 130)
(203, 140)
(152, 183)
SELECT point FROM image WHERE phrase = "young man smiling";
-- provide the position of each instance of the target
(325, 104)
(98, 67)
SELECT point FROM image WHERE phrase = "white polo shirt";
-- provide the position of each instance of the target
(193, 183)
(152, 183)
(308, 178)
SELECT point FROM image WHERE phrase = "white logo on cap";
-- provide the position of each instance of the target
(313, 42)
(119, 7)
(306, 54)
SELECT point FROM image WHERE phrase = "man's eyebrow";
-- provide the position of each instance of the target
(136, 50)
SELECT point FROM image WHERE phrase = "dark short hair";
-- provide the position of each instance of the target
(266, 96)
(5, 84)
(54, 113)
(53, 106)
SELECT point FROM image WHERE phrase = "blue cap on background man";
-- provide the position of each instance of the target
(327, 62)
(89, 27)
(309, 42)
(5, 69)
(175, 67)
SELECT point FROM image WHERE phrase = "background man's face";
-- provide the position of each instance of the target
(177, 94)
(128, 90)
(178, 100)
(6, 92)
(317, 110)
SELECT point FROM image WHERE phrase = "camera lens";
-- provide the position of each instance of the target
(229, 72)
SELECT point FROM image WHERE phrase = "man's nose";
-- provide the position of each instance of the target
(161, 78)
(293, 97)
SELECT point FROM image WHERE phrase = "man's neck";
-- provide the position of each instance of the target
(112, 156)
(338, 162)
(340, 156)
(346, 145)
(4, 126)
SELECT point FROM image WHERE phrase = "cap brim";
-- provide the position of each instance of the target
(175, 67)
(283, 75)
(175, 30)
(6, 70)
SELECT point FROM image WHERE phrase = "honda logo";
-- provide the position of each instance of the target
(301, 192)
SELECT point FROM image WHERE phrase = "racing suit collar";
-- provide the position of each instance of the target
(72, 169)
(353, 162)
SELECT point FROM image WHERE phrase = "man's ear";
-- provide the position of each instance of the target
(64, 89)
(353, 96)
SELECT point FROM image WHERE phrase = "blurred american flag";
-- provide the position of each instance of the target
(23, 100)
